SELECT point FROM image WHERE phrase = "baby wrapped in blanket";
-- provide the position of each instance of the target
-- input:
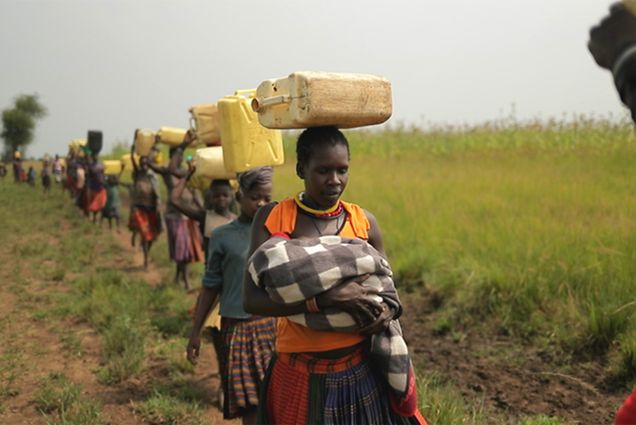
(292, 271)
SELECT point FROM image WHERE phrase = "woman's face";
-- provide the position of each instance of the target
(255, 198)
(326, 174)
(143, 163)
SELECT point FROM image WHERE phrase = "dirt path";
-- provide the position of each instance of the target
(206, 371)
(40, 345)
(35, 344)
(511, 380)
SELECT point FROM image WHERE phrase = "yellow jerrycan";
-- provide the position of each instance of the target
(204, 122)
(313, 99)
(171, 136)
(144, 141)
(246, 143)
(209, 163)
(128, 166)
(76, 145)
(209, 166)
(112, 167)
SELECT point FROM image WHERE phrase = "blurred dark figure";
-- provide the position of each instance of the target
(613, 46)
(17, 167)
(31, 176)
(45, 174)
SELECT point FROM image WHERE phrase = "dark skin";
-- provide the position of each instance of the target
(139, 170)
(171, 175)
(113, 180)
(250, 202)
(325, 177)
(217, 198)
(91, 161)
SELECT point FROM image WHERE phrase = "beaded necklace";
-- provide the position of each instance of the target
(334, 212)
(331, 212)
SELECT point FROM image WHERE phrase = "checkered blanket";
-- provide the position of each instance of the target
(292, 271)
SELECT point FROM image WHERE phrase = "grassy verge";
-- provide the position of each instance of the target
(442, 404)
(530, 228)
(141, 329)
(61, 401)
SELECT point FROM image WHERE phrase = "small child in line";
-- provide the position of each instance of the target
(111, 209)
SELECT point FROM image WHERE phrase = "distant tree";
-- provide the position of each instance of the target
(18, 122)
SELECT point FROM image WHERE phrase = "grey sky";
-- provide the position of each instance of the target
(117, 65)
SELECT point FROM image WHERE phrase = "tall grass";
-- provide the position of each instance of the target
(530, 225)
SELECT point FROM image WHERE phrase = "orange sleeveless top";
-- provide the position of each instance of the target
(292, 337)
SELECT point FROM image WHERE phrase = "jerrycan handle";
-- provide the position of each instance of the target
(250, 92)
(263, 102)
(193, 128)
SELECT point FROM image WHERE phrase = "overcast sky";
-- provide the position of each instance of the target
(117, 65)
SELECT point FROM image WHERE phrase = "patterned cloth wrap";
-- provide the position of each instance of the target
(292, 271)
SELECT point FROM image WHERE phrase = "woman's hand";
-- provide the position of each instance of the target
(381, 323)
(191, 168)
(353, 298)
(193, 348)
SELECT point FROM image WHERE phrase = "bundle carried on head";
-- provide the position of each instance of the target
(292, 271)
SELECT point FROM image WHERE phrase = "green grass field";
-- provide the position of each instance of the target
(531, 227)
(527, 229)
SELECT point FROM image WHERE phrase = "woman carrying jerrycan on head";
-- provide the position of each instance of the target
(184, 237)
(320, 374)
(145, 217)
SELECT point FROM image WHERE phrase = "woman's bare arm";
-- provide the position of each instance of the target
(375, 235)
(192, 210)
(132, 158)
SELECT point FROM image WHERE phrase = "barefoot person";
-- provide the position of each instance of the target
(145, 205)
(17, 167)
(322, 376)
(214, 213)
(45, 175)
(184, 237)
(58, 169)
(248, 340)
(96, 195)
(111, 209)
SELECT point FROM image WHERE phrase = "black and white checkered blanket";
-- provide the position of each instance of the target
(292, 271)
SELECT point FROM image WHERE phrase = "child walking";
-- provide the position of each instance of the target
(247, 340)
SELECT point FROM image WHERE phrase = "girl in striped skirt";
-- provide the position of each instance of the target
(247, 340)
